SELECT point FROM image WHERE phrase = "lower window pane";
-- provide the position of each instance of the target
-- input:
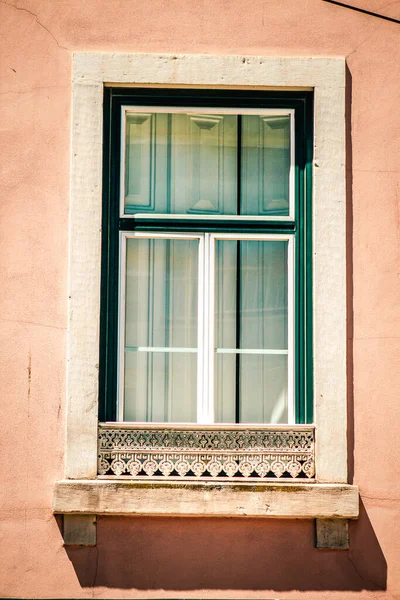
(251, 388)
(161, 292)
(160, 387)
(251, 294)
(251, 331)
(159, 379)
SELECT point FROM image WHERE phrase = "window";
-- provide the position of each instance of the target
(84, 491)
(206, 257)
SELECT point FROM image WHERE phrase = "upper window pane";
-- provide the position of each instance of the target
(206, 164)
(265, 165)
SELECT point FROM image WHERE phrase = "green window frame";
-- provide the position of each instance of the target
(297, 227)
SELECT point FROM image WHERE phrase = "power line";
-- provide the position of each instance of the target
(362, 10)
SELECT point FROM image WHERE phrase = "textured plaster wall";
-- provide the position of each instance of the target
(189, 558)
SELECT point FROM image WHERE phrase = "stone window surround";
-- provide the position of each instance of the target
(81, 492)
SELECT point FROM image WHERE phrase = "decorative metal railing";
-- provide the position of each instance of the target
(206, 452)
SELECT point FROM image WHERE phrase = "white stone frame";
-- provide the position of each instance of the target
(326, 77)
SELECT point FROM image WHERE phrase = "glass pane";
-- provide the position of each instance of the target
(181, 163)
(160, 387)
(161, 329)
(161, 292)
(251, 331)
(146, 146)
(261, 387)
(251, 275)
(225, 391)
(265, 164)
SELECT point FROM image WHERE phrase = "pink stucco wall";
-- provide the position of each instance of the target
(189, 558)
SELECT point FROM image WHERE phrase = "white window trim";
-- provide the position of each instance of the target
(326, 77)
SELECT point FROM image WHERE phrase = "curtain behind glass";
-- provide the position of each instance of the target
(181, 163)
(177, 163)
(160, 379)
(251, 332)
(265, 164)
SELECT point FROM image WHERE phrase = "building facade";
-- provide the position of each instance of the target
(200, 299)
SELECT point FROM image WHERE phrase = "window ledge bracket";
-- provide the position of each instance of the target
(208, 499)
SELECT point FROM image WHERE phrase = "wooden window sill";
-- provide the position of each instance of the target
(209, 499)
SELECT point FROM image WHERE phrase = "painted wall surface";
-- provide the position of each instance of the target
(189, 558)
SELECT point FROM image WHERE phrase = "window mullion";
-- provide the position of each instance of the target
(211, 326)
(206, 333)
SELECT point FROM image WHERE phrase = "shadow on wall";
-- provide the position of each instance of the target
(349, 279)
(184, 554)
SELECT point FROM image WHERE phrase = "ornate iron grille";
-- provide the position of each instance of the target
(201, 452)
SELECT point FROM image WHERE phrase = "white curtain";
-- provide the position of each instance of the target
(161, 330)
(251, 354)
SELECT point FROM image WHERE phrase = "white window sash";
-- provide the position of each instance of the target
(206, 319)
(124, 236)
